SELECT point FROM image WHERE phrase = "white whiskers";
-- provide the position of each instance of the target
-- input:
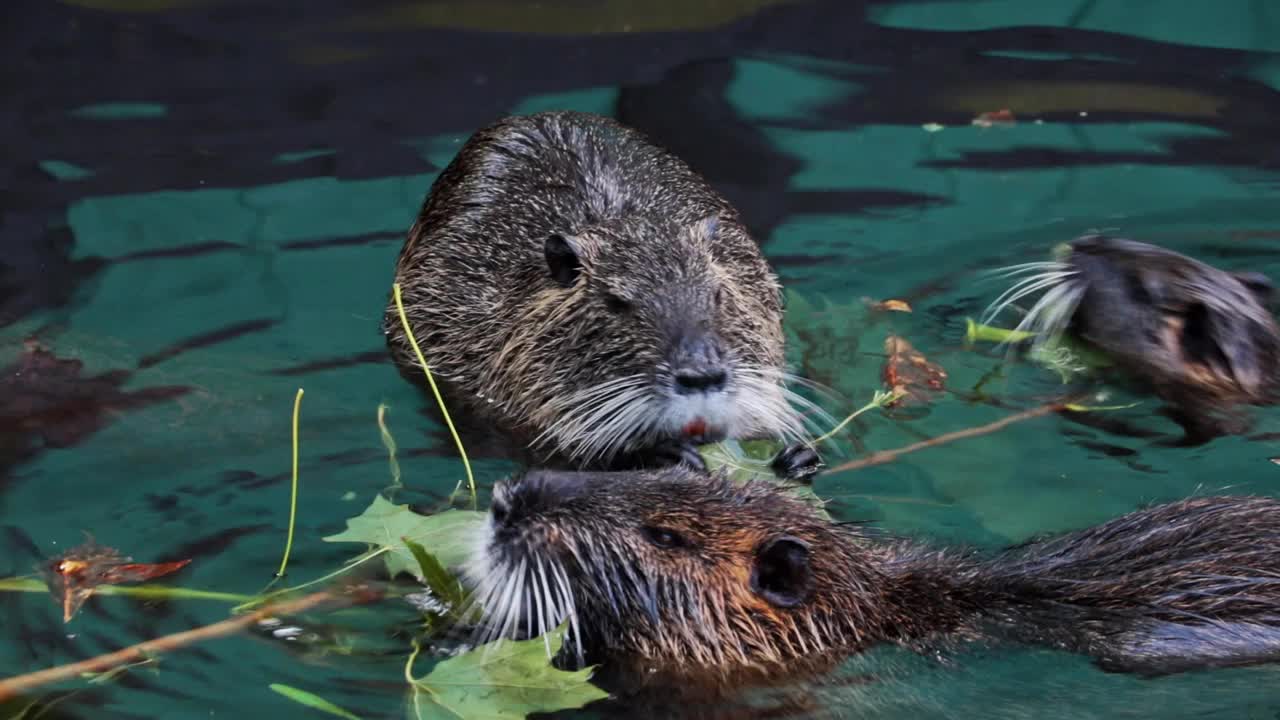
(630, 412)
(1050, 314)
(771, 405)
(600, 420)
(528, 598)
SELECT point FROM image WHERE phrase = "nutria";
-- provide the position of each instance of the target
(704, 581)
(585, 293)
(1202, 339)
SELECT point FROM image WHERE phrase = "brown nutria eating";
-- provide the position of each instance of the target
(587, 294)
(1202, 339)
(703, 581)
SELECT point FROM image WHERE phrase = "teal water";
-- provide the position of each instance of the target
(211, 195)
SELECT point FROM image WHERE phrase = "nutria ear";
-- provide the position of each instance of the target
(1258, 283)
(562, 259)
(782, 574)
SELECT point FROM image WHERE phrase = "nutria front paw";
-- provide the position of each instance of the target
(798, 462)
(678, 452)
(664, 454)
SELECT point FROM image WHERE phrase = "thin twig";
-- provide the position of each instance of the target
(19, 684)
(884, 456)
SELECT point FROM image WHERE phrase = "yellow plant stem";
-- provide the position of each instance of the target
(293, 500)
(880, 399)
(144, 592)
(389, 443)
(408, 331)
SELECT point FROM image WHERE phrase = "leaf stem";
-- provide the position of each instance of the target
(404, 321)
(351, 565)
(389, 442)
(293, 499)
(880, 399)
(146, 592)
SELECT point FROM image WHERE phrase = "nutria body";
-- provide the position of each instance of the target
(589, 296)
(1203, 339)
(712, 582)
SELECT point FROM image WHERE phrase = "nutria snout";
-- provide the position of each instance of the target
(588, 296)
(705, 580)
(1201, 338)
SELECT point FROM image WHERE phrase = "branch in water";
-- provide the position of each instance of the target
(885, 456)
(17, 685)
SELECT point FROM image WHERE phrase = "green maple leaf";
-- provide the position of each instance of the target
(743, 460)
(502, 681)
(750, 460)
(385, 525)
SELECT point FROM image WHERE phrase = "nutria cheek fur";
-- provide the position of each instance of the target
(712, 582)
(588, 295)
(1202, 339)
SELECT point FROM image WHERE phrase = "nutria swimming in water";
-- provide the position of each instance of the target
(1203, 339)
(588, 295)
(704, 581)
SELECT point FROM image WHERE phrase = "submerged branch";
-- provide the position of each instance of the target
(884, 456)
(17, 685)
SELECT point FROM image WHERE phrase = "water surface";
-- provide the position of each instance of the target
(204, 200)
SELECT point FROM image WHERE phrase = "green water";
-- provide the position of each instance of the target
(1171, 140)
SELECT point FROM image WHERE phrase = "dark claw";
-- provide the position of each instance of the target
(797, 463)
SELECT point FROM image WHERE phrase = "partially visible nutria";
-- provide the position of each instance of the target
(588, 295)
(1203, 339)
(706, 582)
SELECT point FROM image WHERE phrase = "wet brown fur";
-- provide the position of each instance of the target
(1202, 339)
(512, 344)
(1178, 586)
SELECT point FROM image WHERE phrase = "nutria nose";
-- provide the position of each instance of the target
(703, 380)
(697, 364)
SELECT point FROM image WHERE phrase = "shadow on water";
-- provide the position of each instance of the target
(218, 188)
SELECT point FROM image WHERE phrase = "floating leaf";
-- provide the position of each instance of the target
(384, 525)
(311, 700)
(442, 584)
(1062, 354)
(502, 681)
(743, 460)
(892, 306)
(1002, 117)
(909, 374)
(751, 460)
(74, 576)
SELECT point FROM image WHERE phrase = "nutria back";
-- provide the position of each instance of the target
(1201, 338)
(718, 583)
(589, 295)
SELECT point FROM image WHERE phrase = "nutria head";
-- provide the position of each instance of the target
(1199, 335)
(677, 573)
(639, 349)
(592, 295)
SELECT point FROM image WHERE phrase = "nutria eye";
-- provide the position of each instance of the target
(616, 305)
(719, 296)
(663, 538)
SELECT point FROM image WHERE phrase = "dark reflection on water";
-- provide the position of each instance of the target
(202, 201)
